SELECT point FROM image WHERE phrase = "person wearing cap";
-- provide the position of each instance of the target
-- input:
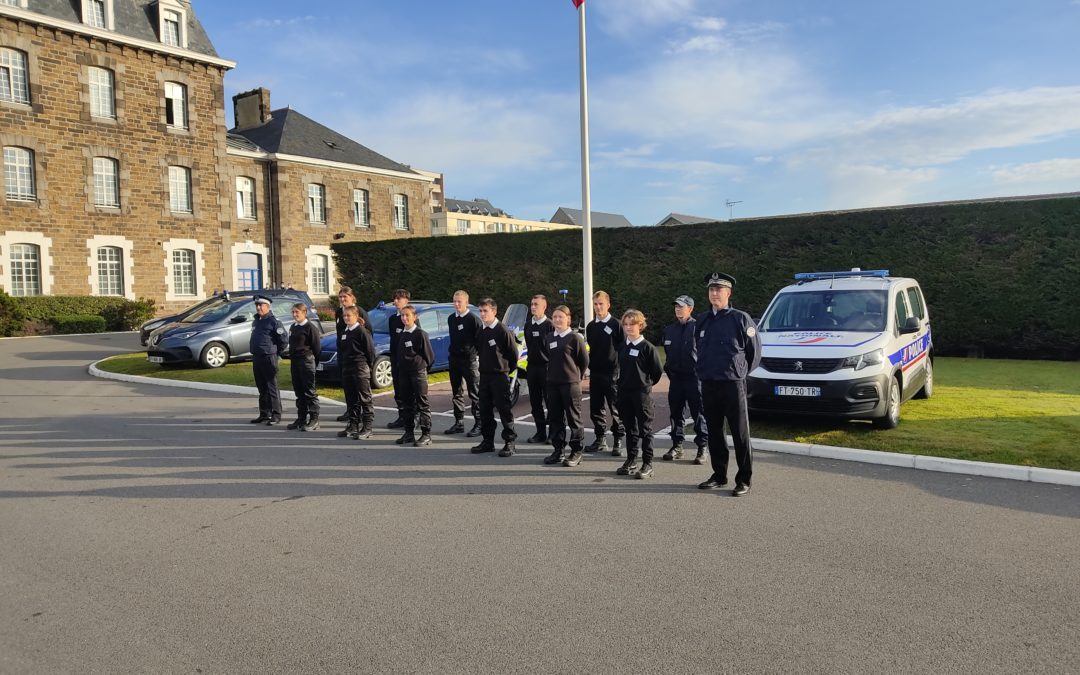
(728, 347)
(685, 387)
(538, 332)
(268, 339)
(604, 335)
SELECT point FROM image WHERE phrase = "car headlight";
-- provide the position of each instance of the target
(864, 360)
(184, 336)
(154, 324)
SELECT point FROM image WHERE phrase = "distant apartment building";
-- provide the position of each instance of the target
(479, 216)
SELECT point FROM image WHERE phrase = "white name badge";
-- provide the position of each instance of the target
(344, 336)
(667, 342)
(701, 334)
(553, 345)
(408, 343)
(633, 352)
(607, 329)
(491, 342)
(397, 330)
(461, 326)
(536, 333)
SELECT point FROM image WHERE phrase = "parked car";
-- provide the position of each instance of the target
(851, 344)
(220, 330)
(154, 324)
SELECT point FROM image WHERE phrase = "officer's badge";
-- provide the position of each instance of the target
(751, 331)
(281, 330)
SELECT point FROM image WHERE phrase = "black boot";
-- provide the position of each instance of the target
(483, 446)
(260, 419)
(629, 467)
(555, 457)
(599, 445)
(347, 431)
(507, 449)
(312, 424)
(616, 448)
(396, 424)
(574, 459)
(295, 424)
(344, 417)
(458, 427)
(700, 459)
(407, 438)
(425, 439)
(538, 437)
(674, 453)
(476, 430)
(364, 433)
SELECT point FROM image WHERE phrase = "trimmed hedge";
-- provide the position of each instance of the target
(12, 316)
(118, 314)
(69, 324)
(1000, 278)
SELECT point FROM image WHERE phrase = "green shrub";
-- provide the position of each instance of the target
(68, 324)
(12, 316)
(119, 314)
(128, 315)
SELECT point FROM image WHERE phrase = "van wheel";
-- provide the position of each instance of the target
(382, 375)
(892, 407)
(928, 387)
(515, 391)
(214, 355)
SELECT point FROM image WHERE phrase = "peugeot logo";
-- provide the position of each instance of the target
(798, 365)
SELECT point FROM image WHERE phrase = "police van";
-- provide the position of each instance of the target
(850, 344)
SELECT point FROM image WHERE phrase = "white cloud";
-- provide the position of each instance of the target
(1046, 172)
(629, 17)
(710, 23)
(713, 44)
(265, 22)
(862, 185)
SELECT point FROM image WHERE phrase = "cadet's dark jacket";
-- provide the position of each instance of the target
(268, 336)
(537, 339)
(680, 344)
(568, 358)
(728, 344)
(304, 340)
(414, 352)
(463, 334)
(639, 366)
(339, 319)
(355, 347)
(498, 349)
(604, 340)
(395, 326)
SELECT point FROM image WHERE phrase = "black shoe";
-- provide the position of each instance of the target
(406, 439)
(674, 453)
(396, 424)
(538, 437)
(456, 428)
(260, 419)
(700, 459)
(475, 431)
(629, 467)
(507, 449)
(616, 449)
(645, 472)
(483, 446)
(555, 457)
(740, 490)
(273, 421)
(713, 482)
(347, 431)
(294, 425)
(599, 445)
(312, 425)
(342, 418)
(425, 439)
(363, 434)
(574, 459)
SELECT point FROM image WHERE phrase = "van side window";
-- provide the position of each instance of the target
(915, 300)
(901, 310)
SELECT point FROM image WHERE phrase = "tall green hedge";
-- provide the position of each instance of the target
(119, 314)
(1000, 278)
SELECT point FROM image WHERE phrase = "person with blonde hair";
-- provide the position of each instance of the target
(639, 370)
(604, 336)
(568, 359)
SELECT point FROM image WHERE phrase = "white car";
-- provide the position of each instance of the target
(850, 344)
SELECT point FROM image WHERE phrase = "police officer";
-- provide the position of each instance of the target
(728, 347)
(464, 328)
(538, 332)
(685, 389)
(268, 339)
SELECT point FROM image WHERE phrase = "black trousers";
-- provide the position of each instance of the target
(725, 400)
(465, 385)
(495, 395)
(685, 391)
(356, 381)
(265, 369)
(396, 378)
(603, 396)
(536, 377)
(303, 384)
(414, 401)
(564, 409)
(636, 411)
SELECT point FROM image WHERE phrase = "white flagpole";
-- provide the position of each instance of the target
(586, 207)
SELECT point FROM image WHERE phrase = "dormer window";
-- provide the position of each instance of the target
(172, 23)
(97, 13)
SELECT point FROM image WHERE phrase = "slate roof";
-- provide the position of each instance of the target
(683, 219)
(132, 18)
(568, 216)
(291, 133)
(478, 206)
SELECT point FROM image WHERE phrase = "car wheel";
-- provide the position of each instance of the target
(382, 375)
(892, 407)
(214, 355)
(928, 387)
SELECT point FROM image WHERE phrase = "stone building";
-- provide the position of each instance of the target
(480, 216)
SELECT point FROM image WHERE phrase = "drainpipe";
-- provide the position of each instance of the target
(275, 262)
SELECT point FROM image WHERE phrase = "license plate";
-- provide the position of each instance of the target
(319, 367)
(156, 359)
(797, 391)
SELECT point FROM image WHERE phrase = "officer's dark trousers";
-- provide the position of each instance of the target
(495, 395)
(564, 409)
(726, 400)
(602, 395)
(636, 411)
(414, 401)
(399, 402)
(356, 381)
(685, 390)
(302, 369)
(265, 369)
(465, 385)
(536, 376)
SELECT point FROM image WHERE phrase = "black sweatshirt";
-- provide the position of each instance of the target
(498, 349)
(681, 348)
(304, 341)
(463, 334)
(537, 339)
(604, 341)
(339, 319)
(396, 325)
(639, 366)
(414, 354)
(568, 358)
(356, 349)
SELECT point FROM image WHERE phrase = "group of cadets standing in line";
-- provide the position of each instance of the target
(708, 359)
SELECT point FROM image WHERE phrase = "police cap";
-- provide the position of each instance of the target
(719, 279)
(262, 300)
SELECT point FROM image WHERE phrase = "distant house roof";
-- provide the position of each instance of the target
(478, 206)
(238, 142)
(568, 216)
(683, 219)
(290, 133)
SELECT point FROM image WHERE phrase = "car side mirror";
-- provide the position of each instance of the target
(910, 326)
(240, 318)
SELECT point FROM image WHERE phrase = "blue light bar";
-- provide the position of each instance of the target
(817, 276)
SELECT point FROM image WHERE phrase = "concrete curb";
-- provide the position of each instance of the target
(67, 335)
(920, 462)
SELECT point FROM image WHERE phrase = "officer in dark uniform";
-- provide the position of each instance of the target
(268, 339)
(728, 347)
(538, 332)
(680, 343)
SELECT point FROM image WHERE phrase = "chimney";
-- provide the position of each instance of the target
(251, 108)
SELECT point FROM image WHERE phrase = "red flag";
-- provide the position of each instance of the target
(577, 3)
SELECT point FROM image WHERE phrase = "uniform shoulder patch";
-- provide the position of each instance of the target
(751, 331)
(281, 330)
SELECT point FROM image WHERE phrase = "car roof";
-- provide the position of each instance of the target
(848, 284)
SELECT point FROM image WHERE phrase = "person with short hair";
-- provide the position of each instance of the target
(304, 347)
(639, 370)
(464, 328)
(414, 359)
(347, 298)
(498, 353)
(268, 340)
(538, 332)
(680, 345)
(604, 336)
(568, 359)
(356, 356)
(395, 325)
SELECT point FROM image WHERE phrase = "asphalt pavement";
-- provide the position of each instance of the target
(153, 530)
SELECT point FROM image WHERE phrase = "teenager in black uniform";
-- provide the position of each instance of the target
(414, 358)
(680, 345)
(498, 354)
(304, 348)
(356, 355)
(464, 326)
(639, 370)
(538, 332)
(395, 326)
(568, 359)
(268, 340)
(347, 298)
(604, 336)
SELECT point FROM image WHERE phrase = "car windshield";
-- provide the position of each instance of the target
(213, 312)
(856, 310)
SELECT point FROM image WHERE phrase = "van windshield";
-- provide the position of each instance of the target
(856, 310)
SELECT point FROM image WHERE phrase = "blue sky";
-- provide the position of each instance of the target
(785, 106)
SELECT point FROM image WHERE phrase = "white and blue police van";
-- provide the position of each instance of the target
(852, 344)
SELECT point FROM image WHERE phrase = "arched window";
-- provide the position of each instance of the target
(14, 83)
(19, 174)
(320, 274)
(25, 269)
(179, 189)
(102, 92)
(106, 182)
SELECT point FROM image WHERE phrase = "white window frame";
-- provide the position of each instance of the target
(250, 247)
(462, 226)
(20, 179)
(169, 18)
(14, 76)
(401, 212)
(89, 14)
(180, 197)
(245, 198)
(14, 3)
(102, 84)
(309, 268)
(126, 247)
(200, 268)
(106, 182)
(176, 105)
(45, 261)
(183, 269)
(361, 207)
(25, 285)
(320, 274)
(110, 271)
(316, 201)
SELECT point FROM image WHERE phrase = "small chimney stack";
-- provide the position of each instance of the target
(251, 108)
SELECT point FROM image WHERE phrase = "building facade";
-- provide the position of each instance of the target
(479, 216)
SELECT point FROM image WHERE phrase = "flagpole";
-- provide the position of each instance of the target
(586, 206)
